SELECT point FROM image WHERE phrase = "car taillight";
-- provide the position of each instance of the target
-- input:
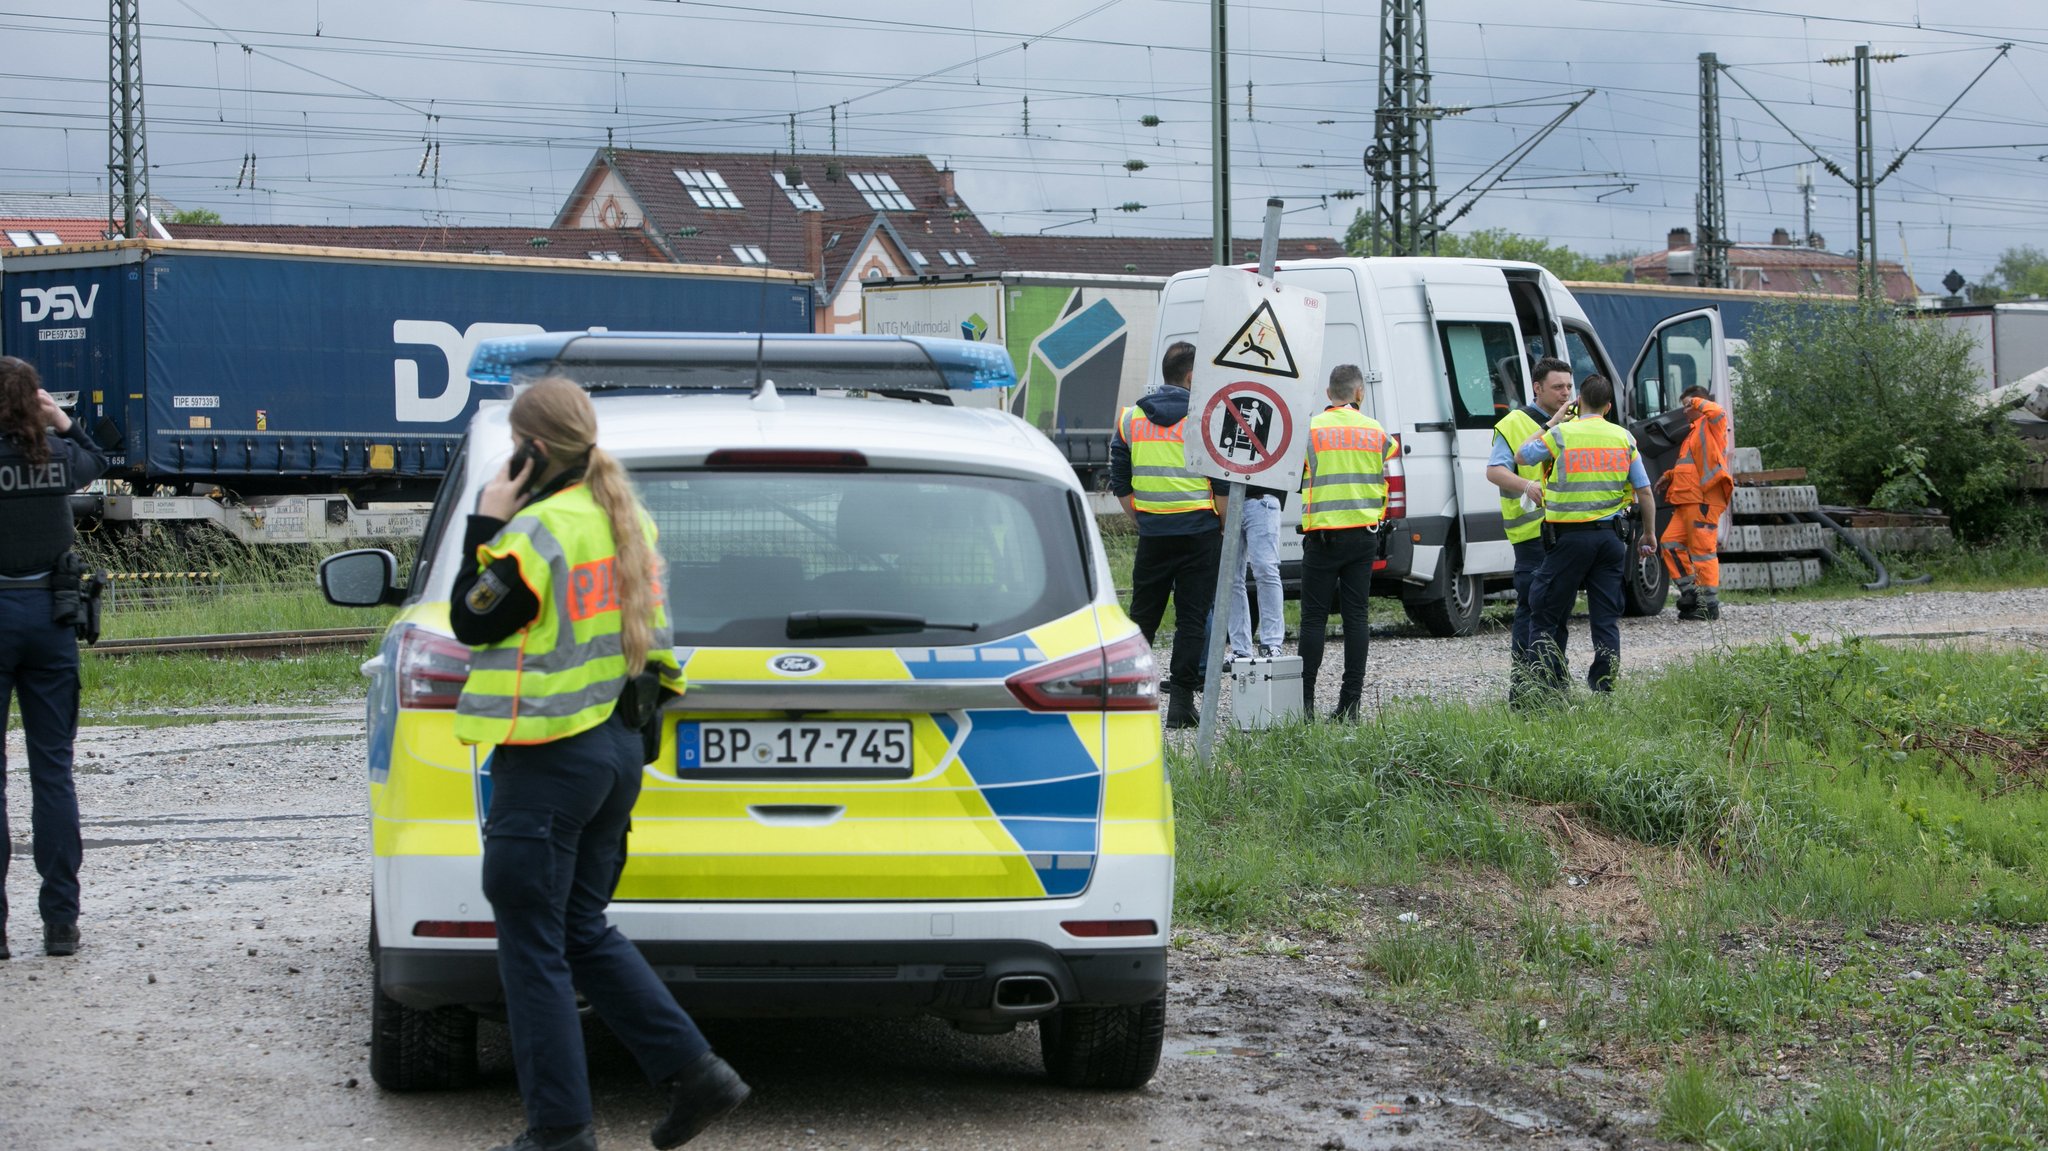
(783, 458)
(1120, 677)
(1108, 928)
(431, 669)
(455, 929)
(1397, 482)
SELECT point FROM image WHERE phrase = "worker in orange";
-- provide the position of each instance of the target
(1697, 489)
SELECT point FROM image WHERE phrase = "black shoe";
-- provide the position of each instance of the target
(582, 1138)
(4, 953)
(60, 939)
(1269, 651)
(1711, 605)
(698, 1096)
(1180, 708)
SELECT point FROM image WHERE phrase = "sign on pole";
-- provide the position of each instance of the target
(1257, 380)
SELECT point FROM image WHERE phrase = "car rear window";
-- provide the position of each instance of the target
(745, 549)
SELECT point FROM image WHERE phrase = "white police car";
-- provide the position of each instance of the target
(918, 767)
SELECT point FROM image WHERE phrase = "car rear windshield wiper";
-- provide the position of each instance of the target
(812, 624)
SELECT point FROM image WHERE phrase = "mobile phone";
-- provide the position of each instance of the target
(530, 452)
(1572, 409)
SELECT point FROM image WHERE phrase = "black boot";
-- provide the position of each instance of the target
(1689, 606)
(582, 1138)
(60, 939)
(1710, 603)
(698, 1096)
(1347, 704)
(1180, 707)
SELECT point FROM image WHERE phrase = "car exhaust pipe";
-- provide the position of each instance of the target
(1025, 995)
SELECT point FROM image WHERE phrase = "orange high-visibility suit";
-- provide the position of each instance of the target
(1697, 489)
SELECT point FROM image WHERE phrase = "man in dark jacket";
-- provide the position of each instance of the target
(1180, 534)
(38, 654)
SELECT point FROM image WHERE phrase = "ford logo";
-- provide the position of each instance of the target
(796, 665)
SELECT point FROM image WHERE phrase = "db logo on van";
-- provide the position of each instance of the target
(39, 304)
(796, 665)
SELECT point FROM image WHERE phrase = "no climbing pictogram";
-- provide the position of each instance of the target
(1246, 427)
(1260, 346)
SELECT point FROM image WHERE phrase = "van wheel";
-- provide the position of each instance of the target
(1451, 603)
(1645, 585)
(1112, 1047)
(415, 1050)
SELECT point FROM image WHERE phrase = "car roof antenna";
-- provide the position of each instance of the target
(766, 398)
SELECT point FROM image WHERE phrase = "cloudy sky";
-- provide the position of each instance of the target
(1041, 106)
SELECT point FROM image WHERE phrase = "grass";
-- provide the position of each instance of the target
(1803, 885)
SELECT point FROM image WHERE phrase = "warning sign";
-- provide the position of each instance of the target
(1259, 346)
(1257, 379)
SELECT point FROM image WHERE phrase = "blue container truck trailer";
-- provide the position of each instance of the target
(282, 392)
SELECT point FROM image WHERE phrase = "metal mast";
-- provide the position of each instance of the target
(1866, 181)
(127, 147)
(1711, 255)
(1219, 131)
(1402, 159)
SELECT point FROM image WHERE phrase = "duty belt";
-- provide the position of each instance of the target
(1610, 524)
(25, 583)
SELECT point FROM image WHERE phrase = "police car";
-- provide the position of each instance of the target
(918, 767)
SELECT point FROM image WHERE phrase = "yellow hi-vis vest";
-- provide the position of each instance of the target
(562, 673)
(1160, 480)
(1344, 477)
(1589, 473)
(1516, 429)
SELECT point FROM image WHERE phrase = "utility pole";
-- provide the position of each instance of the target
(1219, 132)
(1710, 264)
(1866, 182)
(1402, 159)
(1806, 206)
(127, 147)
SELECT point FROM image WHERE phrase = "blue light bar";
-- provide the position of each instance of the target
(728, 360)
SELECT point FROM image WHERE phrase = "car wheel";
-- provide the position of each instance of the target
(1112, 1047)
(1451, 603)
(1645, 584)
(416, 1050)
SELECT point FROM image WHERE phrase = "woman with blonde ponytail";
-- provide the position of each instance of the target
(563, 605)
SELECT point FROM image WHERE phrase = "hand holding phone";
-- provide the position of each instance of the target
(507, 491)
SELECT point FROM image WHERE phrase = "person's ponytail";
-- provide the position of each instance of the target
(637, 570)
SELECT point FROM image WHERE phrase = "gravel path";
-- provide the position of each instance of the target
(1407, 662)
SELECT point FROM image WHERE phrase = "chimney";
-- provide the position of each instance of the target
(1780, 238)
(1816, 241)
(1679, 238)
(946, 187)
(814, 244)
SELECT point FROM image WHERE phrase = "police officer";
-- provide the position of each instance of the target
(1521, 508)
(38, 652)
(1180, 535)
(563, 605)
(1343, 501)
(1595, 467)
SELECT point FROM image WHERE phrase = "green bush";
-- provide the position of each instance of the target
(1881, 411)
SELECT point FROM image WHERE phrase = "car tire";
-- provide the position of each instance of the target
(418, 1050)
(1105, 1047)
(1451, 603)
(1645, 584)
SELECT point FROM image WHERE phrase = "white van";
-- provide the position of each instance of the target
(1445, 346)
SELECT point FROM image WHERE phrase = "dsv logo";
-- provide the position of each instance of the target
(794, 665)
(39, 304)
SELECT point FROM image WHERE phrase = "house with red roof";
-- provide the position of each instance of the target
(1779, 266)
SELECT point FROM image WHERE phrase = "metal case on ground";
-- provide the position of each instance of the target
(1264, 692)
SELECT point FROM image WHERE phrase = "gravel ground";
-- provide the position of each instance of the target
(1407, 662)
(221, 998)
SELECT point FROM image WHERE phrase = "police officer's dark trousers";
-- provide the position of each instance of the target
(1336, 571)
(1592, 556)
(1529, 555)
(1184, 567)
(554, 846)
(39, 667)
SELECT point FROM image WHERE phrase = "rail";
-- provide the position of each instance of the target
(256, 645)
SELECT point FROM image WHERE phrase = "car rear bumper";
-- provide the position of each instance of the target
(952, 979)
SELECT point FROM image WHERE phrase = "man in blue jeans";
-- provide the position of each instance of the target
(1521, 503)
(1596, 469)
(1260, 533)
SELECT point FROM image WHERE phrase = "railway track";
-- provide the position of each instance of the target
(254, 645)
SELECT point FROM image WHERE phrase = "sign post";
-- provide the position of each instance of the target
(1258, 368)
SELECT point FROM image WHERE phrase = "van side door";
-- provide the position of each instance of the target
(1684, 350)
(1483, 374)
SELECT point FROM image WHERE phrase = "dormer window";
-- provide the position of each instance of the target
(880, 191)
(749, 254)
(799, 193)
(948, 257)
(707, 188)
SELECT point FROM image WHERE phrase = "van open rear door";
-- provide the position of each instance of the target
(1683, 351)
(1483, 374)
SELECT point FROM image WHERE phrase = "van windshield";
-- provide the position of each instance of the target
(912, 557)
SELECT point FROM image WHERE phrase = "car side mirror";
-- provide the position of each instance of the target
(365, 577)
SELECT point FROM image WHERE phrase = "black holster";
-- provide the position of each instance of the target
(76, 596)
(639, 708)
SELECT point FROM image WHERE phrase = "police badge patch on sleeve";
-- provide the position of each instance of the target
(486, 593)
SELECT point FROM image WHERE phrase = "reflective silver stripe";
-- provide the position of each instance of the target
(1321, 479)
(1526, 518)
(547, 707)
(1581, 485)
(1585, 505)
(1347, 506)
(1159, 470)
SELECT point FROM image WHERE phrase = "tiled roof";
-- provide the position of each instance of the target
(64, 205)
(768, 219)
(1144, 255)
(69, 229)
(1786, 268)
(562, 243)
